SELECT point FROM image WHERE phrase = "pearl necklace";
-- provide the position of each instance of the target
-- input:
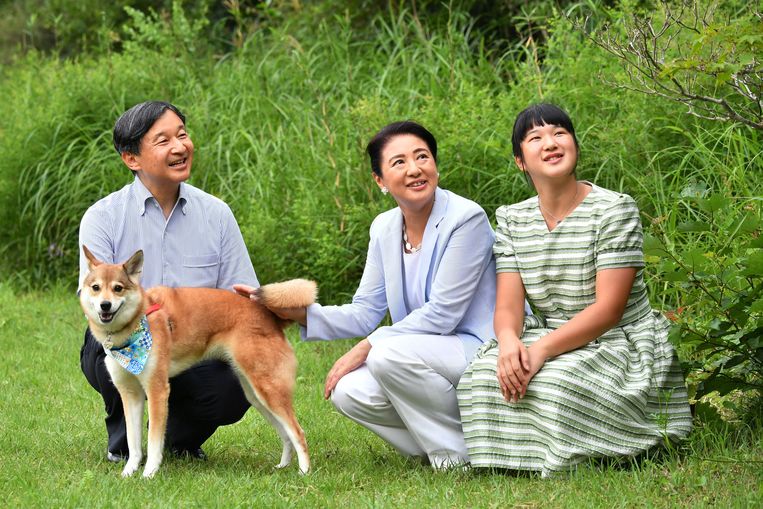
(407, 245)
(564, 216)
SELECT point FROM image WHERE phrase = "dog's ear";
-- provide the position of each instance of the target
(92, 261)
(134, 266)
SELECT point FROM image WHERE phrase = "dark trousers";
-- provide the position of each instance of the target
(202, 398)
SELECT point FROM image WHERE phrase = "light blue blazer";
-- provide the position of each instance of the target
(458, 278)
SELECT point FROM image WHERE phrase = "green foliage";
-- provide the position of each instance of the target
(180, 38)
(705, 55)
(74, 27)
(280, 124)
(704, 216)
(715, 259)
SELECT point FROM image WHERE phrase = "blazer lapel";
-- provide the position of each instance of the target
(429, 241)
(392, 264)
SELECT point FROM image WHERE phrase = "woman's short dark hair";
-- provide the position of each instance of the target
(380, 140)
(536, 116)
(134, 123)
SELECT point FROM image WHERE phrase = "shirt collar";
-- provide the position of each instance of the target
(183, 197)
(142, 195)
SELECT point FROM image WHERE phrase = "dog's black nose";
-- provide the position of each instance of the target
(105, 305)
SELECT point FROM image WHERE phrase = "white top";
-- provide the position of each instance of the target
(457, 277)
(413, 292)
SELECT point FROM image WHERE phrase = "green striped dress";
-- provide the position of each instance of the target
(620, 394)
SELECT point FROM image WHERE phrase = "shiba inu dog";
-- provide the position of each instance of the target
(154, 334)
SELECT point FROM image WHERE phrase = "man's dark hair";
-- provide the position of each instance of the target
(134, 123)
(380, 140)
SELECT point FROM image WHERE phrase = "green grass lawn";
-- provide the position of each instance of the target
(52, 447)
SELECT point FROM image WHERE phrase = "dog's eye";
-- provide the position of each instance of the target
(118, 288)
(95, 288)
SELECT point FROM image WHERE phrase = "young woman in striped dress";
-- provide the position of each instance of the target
(592, 373)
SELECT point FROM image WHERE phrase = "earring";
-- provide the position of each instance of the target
(384, 190)
(438, 173)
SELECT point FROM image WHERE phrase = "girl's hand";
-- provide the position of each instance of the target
(350, 361)
(536, 359)
(513, 365)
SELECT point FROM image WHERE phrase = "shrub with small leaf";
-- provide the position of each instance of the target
(715, 257)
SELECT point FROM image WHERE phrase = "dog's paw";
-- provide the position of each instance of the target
(150, 471)
(130, 468)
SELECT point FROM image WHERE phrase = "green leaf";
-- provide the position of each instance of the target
(753, 264)
(679, 336)
(694, 226)
(713, 203)
(693, 190)
(757, 306)
(719, 328)
(754, 338)
(696, 260)
(722, 77)
(747, 59)
(751, 39)
(653, 246)
(721, 383)
(676, 275)
(749, 223)
(734, 361)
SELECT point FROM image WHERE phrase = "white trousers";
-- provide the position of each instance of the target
(406, 393)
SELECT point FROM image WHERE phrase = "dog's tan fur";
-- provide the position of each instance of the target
(193, 324)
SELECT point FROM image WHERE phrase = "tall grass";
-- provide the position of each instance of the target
(280, 127)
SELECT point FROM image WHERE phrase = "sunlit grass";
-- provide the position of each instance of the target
(52, 447)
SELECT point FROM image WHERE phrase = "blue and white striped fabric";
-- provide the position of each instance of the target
(199, 245)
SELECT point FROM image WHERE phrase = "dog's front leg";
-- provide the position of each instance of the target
(133, 405)
(133, 397)
(158, 392)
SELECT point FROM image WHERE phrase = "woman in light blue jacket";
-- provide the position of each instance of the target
(430, 265)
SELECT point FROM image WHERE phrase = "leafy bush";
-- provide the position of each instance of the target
(706, 255)
(718, 267)
(705, 55)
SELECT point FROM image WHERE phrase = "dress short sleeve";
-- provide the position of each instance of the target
(619, 240)
(503, 248)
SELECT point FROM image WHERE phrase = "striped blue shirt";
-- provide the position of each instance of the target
(199, 245)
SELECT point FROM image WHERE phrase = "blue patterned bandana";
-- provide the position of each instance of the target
(134, 354)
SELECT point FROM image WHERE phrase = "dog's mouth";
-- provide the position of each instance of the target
(108, 316)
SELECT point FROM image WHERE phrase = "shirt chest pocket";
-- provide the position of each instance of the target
(201, 271)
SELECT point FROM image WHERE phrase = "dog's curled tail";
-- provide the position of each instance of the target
(295, 293)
